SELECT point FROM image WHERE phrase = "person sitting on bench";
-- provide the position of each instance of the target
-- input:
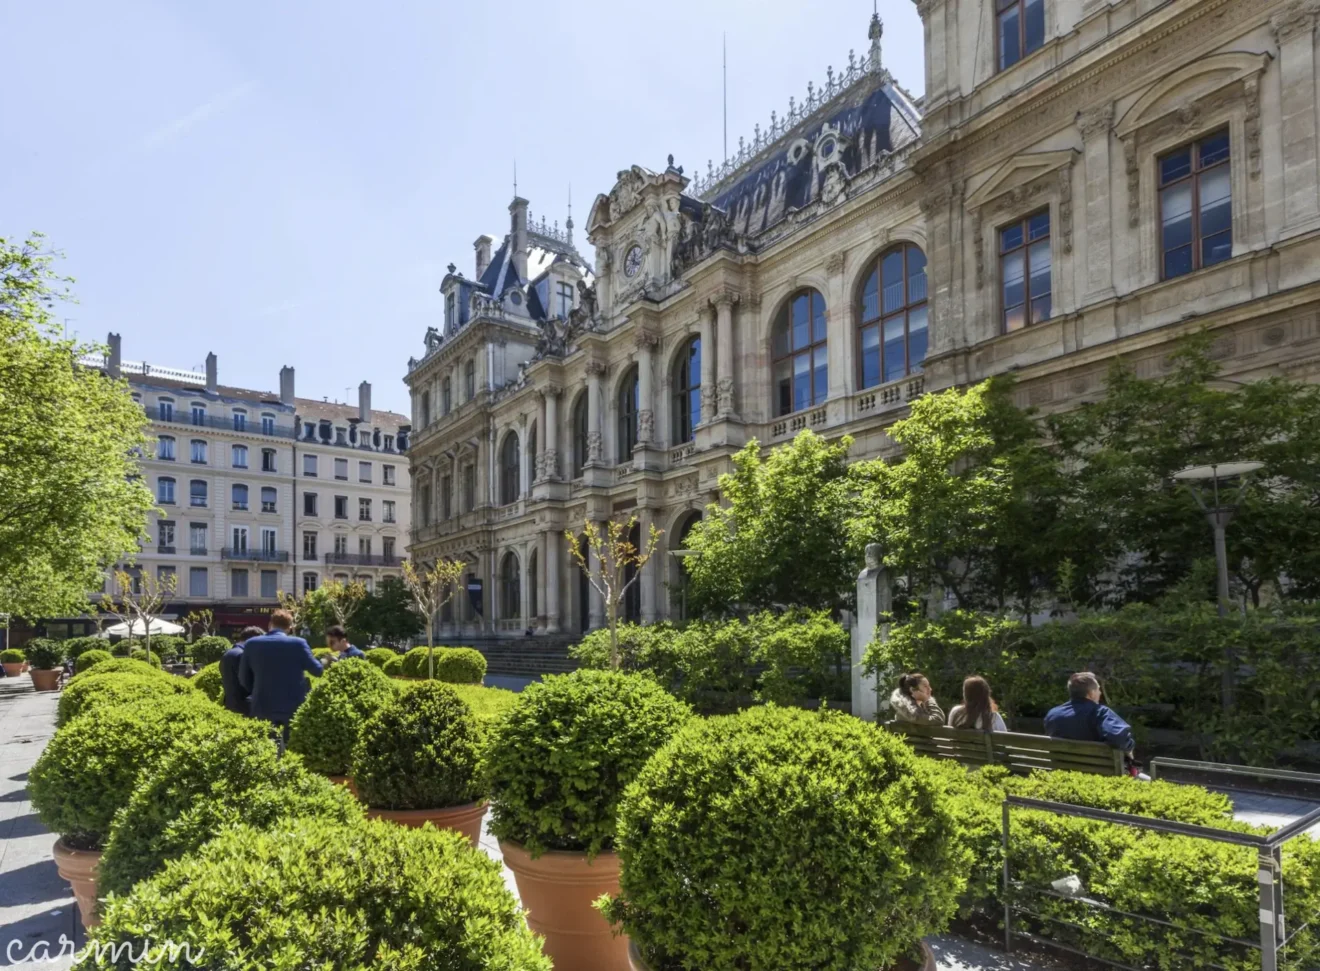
(978, 709)
(914, 702)
(1083, 719)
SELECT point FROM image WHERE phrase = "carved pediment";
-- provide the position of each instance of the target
(1177, 94)
(1017, 174)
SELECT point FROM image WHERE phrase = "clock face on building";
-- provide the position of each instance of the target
(632, 262)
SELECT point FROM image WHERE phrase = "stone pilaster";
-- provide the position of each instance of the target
(1294, 29)
(552, 555)
(725, 403)
(646, 344)
(1095, 124)
(595, 442)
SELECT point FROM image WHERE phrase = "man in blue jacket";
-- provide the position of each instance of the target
(235, 697)
(272, 671)
(338, 642)
(1083, 719)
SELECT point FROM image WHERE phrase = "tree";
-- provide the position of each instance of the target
(618, 565)
(343, 600)
(205, 619)
(783, 537)
(141, 598)
(387, 615)
(431, 589)
(71, 499)
(308, 611)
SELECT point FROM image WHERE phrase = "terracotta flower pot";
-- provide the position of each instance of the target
(78, 867)
(461, 819)
(346, 782)
(558, 890)
(635, 962)
(15, 669)
(46, 680)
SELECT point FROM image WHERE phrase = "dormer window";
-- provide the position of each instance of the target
(451, 310)
(565, 292)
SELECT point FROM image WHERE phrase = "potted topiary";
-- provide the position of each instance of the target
(12, 659)
(45, 659)
(787, 839)
(326, 725)
(460, 665)
(417, 759)
(89, 659)
(558, 762)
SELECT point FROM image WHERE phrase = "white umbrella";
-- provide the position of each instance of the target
(157, 625)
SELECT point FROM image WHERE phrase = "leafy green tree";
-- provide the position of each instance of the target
(387, 614)
(71, 502)
(783, 538)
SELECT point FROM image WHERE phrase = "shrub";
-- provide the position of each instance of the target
(459, 665)
(123, 665)
(324, 654)
(89, 659)
(327, 724)
(781, 838)
(141, 655)
(12, 655)
(208, 650)
(414, 662)
(488, 704)
(95, 690)
(209, 683)
(394, 667)
(90, 767)
(169, 647)
(1123, 794)
(420, 751)
(319, 894)
(219, 772)
(561, 757)
(380, 656)
(76, 647)
(44, 654)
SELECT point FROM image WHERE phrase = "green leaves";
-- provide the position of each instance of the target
(326, 725)
(111, 688)
(208, 650)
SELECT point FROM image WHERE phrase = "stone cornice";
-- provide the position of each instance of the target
(1297, 17)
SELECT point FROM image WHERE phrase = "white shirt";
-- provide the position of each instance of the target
(996, 722)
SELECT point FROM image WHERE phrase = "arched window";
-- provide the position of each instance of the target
(893, 316)
(531, 453)
(426, 408)
(446, 396)
(534, 579)
(632, 597)
(680, 582)
(801, 371)
(580, 435)
(510, 467)
(687, 391)
(469, 380)
(583, 589)
(510, 588)
(628, 407)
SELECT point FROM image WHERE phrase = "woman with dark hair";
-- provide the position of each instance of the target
(978, 709)
(914, 702)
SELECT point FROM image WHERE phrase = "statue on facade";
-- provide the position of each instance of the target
(432, 339)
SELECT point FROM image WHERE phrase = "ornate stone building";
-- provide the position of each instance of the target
(1081, 179)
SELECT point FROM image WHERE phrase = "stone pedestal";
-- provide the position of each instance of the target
(873, 603)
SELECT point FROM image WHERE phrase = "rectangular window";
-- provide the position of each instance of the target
(364, 546)
(197, 493)
(309, 504)
(424, 502)
(198, 451)
(1024, 266)
(469, 487)
(565, 293)
(197, 581)
(364, 510)
(1196, 206)
(239, 496)
(166, 536)
(341, 469)
(166, 410)
(446, 497)
(270, 584)
(309, 546)
(267, 428)
(238, 539)
(165, 492)
(268, 541)
(165, 448)
(268, 460)
(309, 583)
(167, 579)
(1021, 29)
(341, 545)
(198, 415)
(364, 471)
(238, 583)
(387, 474)
(268, 497)
(387, 511)
(309, 466)
(238, 456)
(341, 507)
(240, 425)
(387, 548)
(197, 539)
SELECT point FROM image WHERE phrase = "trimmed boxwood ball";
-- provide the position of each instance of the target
(394, 666)
(44, 654)
(420, 751)
(95, 690)
(327, 724)
(12, 655)
(380, 656)
(560, 758)
(414, 662)
(208, 650)
(785, 839)
(220, 772)
(209, 683)
(121, 665)
(90, 767)
(89, 659)
(76, 647)
(460, 665)
(141, 655)
(313, 893)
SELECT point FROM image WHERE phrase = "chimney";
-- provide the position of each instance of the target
(364, 403)
(482, 246)
(112, 360)
(286, 385)
(518, 210)
(210, 373)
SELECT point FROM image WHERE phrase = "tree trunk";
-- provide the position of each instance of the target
(614, 634)
(430, 647)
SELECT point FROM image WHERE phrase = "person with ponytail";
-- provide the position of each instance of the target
(914, 702)
(978, 709)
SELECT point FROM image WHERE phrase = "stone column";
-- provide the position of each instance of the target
(550, 424)
(525, 588)
(597, 602)
(1095, 125)
(526, 461)
(646, 344)
(707, 366)
(724, 355)
(873, 603)
(647, 577)
(552, 553)
(595, 441)
(1294, 28)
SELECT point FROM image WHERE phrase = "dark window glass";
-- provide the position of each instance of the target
(1024, 269)
(1021, 29)
(580, 416)
(801, 374)
(687, 391)
(893, 345)
(510, 471)
(1196, 206)
(628, 407)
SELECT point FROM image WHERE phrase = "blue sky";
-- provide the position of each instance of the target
(284, 183)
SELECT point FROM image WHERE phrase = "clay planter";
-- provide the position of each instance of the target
(78, 867)
(558, 890)
(46, 680)
(346, 782)
(635, 962)
(14, 670)
(461, 819)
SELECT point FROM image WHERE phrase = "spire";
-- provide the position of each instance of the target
(569, 224)
(877, 30)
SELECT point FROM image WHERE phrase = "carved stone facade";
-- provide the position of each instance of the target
(741, 306)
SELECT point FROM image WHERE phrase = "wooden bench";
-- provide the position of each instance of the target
(1019, 753)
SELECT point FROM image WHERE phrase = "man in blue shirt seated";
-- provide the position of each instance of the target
(235, 697)
(1083, 719)
(338, 642)
(272, 671)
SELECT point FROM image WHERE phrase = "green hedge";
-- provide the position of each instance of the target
(1160, 669)
(219, 772)
(120, 665)
(785, 839)
(380, 656)
(393, 667)
(89, 659)
(488, 704)
(326, 725)
(208, 650)
(784, 658)
(321, 894)
(209, 683)
(141, 655)
(460, 665)
(415, 663)
(44, 654)
(76, 647)
(94, 690)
